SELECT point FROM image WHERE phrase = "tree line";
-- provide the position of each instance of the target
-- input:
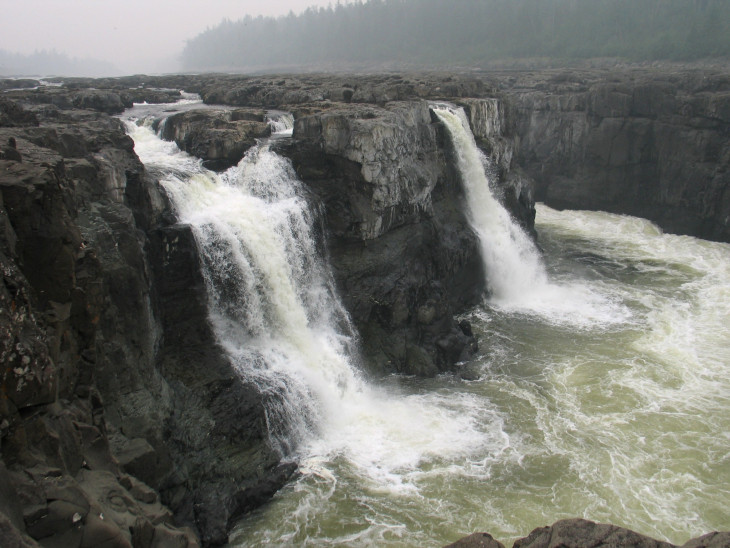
(467, 33)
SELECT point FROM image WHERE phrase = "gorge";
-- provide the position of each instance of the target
(373, 382)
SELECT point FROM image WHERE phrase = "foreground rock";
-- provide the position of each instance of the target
(581, 533)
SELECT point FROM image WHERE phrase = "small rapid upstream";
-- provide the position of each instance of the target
(603, 386)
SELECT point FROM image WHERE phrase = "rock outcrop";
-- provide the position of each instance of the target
(402, 252)
(115, 397)
(640, 142)
(581, 533)
(220, 137)
(121, 420)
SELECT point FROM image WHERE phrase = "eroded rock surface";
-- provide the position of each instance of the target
(651, 143)
(121, 421)
(582, 533)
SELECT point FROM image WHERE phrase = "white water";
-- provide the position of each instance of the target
(275, 312)
(624, 420)
(282, 123)
(516, 276)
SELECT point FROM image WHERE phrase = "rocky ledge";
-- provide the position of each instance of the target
(581, 533)
(121, 421)
(649, 142)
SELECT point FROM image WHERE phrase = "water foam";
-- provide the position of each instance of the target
(276, 313)
(517, 278)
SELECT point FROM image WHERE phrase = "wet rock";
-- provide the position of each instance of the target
(579, 533)
(710, 540)
(476, 540)
(12, 536)
(401, 249)
(647, 143)
(219, 137)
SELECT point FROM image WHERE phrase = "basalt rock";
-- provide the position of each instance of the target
(581, 533)
(651, 143)
(219, 137)
(404, 256)
(379, 89)
(118, 409)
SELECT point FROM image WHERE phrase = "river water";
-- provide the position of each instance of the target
(624, 421)
(602, 387)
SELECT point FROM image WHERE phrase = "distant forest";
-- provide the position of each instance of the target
(50, 63)
(467, 33)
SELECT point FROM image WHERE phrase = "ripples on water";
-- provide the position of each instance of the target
(617, 413)
(604, 394)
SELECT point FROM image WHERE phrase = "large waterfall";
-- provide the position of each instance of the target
(602, 389)
(516, 276)
(275, 311)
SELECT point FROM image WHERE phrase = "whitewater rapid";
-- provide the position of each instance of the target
(611, 402)
(516, 276)
(277, 315)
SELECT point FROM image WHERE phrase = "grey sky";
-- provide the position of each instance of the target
(135, 35)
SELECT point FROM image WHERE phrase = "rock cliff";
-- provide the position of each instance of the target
(403, 255)
(117, 406)
(116, 401)
(651, 143)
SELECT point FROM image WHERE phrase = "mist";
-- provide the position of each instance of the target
(92, 38)
(95, 38)
(402, 34)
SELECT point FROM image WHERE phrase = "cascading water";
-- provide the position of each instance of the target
(516, 276)
(623, 420)
(282, 123)
(272, 303)
(275, 312)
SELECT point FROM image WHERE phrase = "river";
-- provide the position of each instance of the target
(601, 390)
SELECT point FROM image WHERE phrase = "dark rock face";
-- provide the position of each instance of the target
(581, 533)
(575, 533)
(115, 398)
(651, 144)
(219, 137)
(402, 252)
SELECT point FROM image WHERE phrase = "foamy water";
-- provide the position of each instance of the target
(516, 275)
(275, 312)
(618, 411)
(626, 423)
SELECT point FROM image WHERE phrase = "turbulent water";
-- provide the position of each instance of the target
(603, 385)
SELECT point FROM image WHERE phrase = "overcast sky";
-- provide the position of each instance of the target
(135, 35)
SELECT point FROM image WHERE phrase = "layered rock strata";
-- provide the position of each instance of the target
(649, 143)
(402, 252)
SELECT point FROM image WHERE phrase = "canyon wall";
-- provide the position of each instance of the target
(646, 142)
(118, 409)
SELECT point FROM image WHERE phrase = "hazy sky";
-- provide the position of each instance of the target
(135, 35)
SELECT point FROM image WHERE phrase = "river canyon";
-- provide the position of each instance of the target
(327, 310)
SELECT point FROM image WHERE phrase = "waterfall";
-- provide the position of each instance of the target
(275, 312)
(516, 275)
(282, 123)
(272, 300)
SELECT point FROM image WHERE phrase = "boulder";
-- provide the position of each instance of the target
(219, 137)
(582, 533)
